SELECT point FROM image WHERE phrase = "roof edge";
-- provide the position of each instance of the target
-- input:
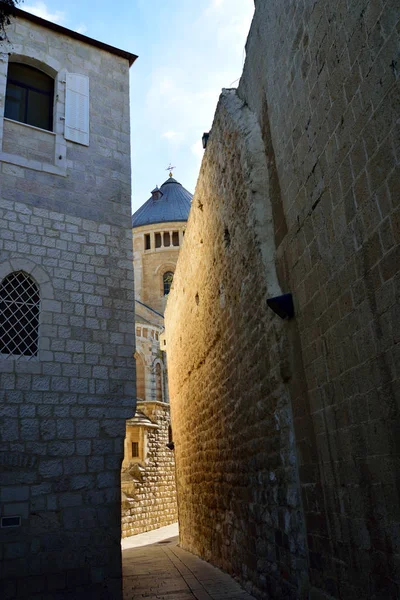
(158, 222)
(149, 307)
(18, 12)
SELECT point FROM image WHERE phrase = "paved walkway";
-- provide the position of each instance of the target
(156, 568)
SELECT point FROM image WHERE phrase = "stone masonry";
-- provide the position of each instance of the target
(148, 485)
(65, 222)
(286, 432)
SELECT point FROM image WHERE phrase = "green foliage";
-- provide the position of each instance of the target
(7, 10)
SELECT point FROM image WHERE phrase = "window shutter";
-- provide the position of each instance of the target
(77, 109)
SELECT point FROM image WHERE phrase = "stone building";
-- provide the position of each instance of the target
(67, 374)
(148, 473)
(286, 431)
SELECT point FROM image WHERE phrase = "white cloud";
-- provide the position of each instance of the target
(175, 138)
(174, 97)
(197, 149)
(81, 28)
(40, 10)
(213, 7)
(169, 134)
(229, 22)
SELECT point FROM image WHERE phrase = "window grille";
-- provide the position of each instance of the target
(19, 315)
(135, 449)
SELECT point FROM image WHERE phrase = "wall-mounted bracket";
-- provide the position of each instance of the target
(282, 306)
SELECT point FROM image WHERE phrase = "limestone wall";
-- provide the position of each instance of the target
(97, 174)
(151, 382)
(148, 483)
(63, 411)
(286, 431)
(150, 265)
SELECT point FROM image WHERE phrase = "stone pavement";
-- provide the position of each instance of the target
(156, 568)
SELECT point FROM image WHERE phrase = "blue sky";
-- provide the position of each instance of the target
(188, 51)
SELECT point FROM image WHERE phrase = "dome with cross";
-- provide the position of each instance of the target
(171, 202)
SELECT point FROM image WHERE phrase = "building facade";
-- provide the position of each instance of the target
(286, 431)
(148, 474)
(67, 382)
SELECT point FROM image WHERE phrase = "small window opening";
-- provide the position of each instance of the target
(169, 434)
(158, 240)
(158, 383)
(11, 521)
(167, 280)
(147, 242)
(167, 239)
(175, 238)
(145, 332)
(19, 315)
(29, 96)
(135, 449)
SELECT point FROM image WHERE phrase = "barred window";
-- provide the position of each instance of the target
(135, 449)
(19, 315)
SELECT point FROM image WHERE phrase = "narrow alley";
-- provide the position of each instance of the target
(156, 568)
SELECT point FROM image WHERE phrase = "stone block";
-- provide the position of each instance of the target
(14, 494)
(50, 468)
(87, 428)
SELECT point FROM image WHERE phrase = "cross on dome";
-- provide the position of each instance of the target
(170, 168)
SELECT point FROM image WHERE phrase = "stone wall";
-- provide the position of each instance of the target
(28, 142)
(99, 174)
(286, 432)
(63, 412)
(148, 484)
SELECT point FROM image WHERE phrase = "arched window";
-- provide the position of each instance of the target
(167, 281)
(19, 315)
(140, 378)
(158, 383)
(29, 96)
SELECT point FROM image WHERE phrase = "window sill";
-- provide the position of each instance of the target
(35, 165)
(161, 249)
(19, 357)
(30, 126)
(16, 148)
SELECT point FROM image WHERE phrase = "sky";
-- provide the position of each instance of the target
(188, 51)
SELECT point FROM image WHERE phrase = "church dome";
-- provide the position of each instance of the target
(170, 202)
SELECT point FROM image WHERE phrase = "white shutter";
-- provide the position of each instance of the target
(77, 109)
